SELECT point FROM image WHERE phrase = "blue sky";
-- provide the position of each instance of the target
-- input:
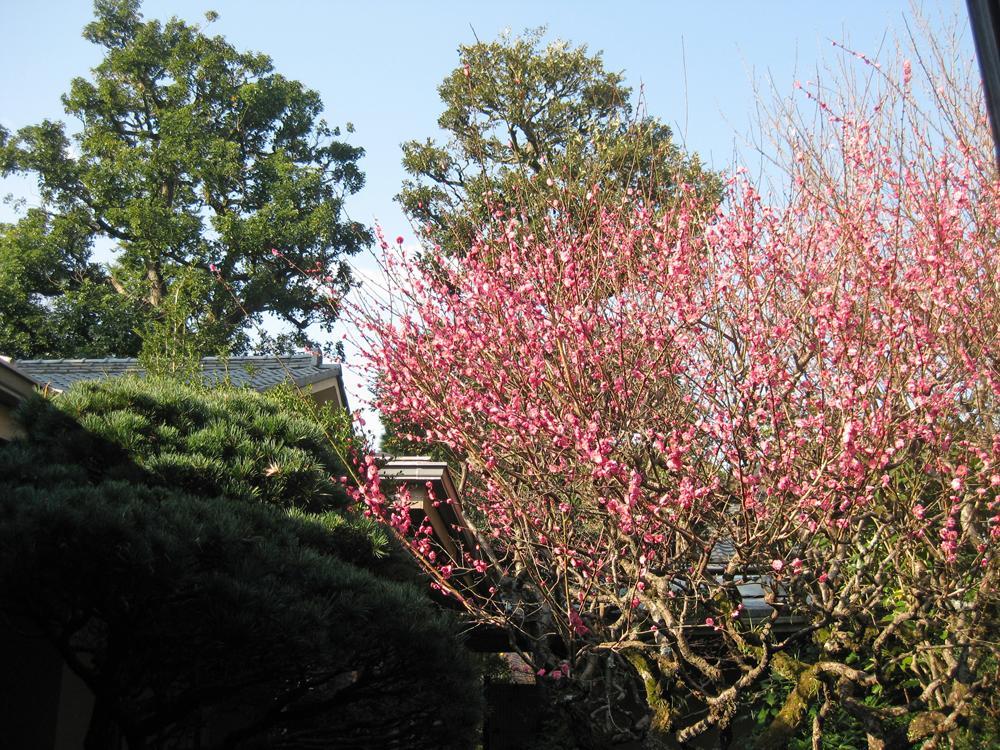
(378, 64)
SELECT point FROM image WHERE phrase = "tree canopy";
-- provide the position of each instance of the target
(517, 109)
(54, 299)
(193, 159)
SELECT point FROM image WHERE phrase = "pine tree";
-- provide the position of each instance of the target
(187, 553)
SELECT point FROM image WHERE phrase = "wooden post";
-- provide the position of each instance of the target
(984, 15)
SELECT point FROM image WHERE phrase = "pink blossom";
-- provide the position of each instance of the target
(632, 386)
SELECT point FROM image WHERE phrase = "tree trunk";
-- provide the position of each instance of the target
(660, 718)
(609, 710)
(791, 717)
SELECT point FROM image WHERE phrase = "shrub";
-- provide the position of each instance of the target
(239, 611)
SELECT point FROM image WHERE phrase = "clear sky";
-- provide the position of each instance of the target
(378, 64)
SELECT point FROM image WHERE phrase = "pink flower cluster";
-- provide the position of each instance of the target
(637, 390)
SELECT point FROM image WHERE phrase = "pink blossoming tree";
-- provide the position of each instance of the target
(705, 447)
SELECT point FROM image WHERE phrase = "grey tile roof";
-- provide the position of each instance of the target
(259, 373)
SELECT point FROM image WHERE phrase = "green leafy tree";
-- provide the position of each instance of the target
(526, 120)
(192, 159)
(211, 606)
(54, 300)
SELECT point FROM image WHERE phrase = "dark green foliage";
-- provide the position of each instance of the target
(779, 713)
(526, 121)
(245, 611)
(190, 616)
(336, 424)
(390, 560)
(53, 299)
(192, 154)
(232, 442)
